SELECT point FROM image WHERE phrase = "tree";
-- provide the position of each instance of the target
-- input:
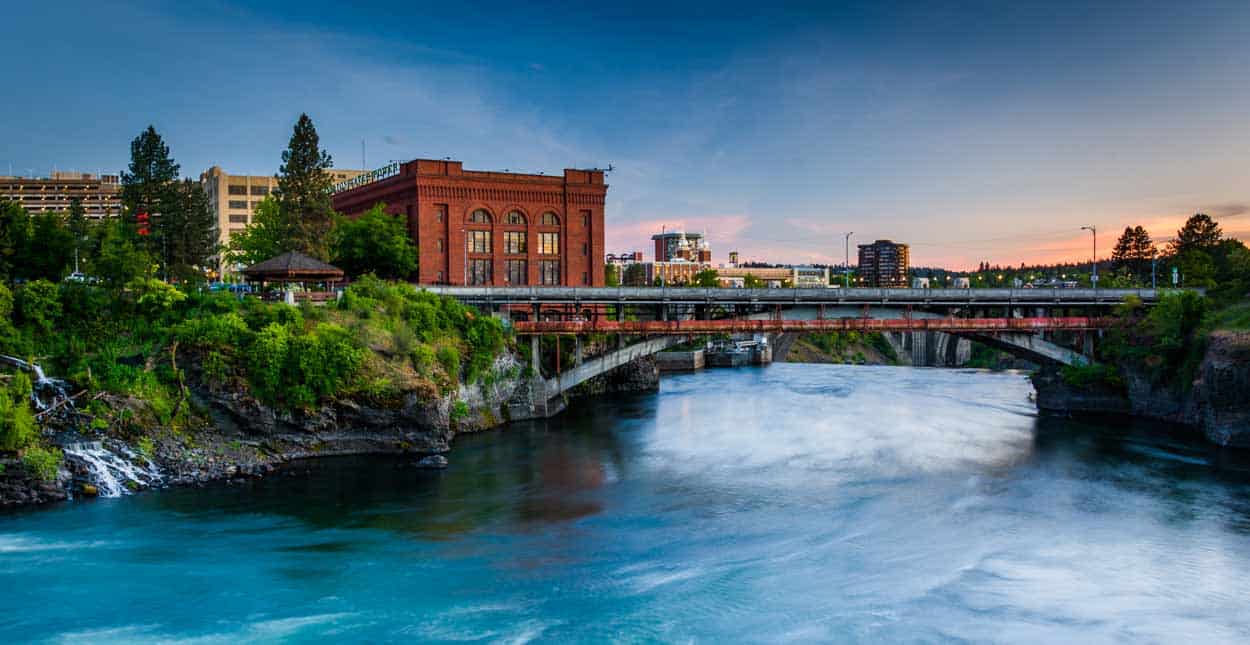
(264, 238)
(146, 186)
(191, 239)
(77, 221)
(635, 275)
(120, 260)
(751, 282)
(705, 278)
(15, 230)
(374, 243)
(611, 276)
(49, 250)
(304, 190)
(1134, 250)
(1199, 232)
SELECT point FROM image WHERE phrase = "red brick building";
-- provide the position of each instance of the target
(516, 229)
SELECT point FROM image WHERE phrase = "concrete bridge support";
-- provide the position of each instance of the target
(930, 348)
(1035, 348)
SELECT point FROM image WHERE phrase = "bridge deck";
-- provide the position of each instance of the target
(832, 296)
(676, 327)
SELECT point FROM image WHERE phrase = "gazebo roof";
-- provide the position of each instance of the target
(293, 265)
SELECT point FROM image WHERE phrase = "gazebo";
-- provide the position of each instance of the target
(294, 267)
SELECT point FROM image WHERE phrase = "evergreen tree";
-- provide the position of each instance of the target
(150, 187)
(1134, 250)
(14, 232)
(192, 232)
(1200, 232)
(78, 225)
(304, 191)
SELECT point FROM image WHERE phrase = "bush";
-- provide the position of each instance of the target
(17, 419)
(1085, 376)
(38, 305)
(221, 332)
(299, 370)
(449, 358)
(42, 462)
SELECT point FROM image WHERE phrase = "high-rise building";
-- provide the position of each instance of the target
(234, 197)
(883, 264)
(676, 246)
(491, 228)
(100, 194)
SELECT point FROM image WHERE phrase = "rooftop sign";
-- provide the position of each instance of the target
(389, 170)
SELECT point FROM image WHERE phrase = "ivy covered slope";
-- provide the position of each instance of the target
(207, 385)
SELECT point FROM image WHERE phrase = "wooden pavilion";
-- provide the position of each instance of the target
(294, 267)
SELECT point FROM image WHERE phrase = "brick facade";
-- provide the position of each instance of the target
(438, 199)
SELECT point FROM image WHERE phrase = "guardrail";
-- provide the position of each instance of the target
(678, 327)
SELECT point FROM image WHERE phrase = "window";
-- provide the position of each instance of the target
(440, 276)
(479, 271)
(234, 203)
(260, 190)
(439, 211)
(514, 242)
(238, 219)
(514, 217)
(549, 219)
(585, 248)
(549, 243)
(585, 278)
(479, 216)
(237, 190)
(549, 271)
(440, 246)
(479, 241)
(586, 219)
(518, 272)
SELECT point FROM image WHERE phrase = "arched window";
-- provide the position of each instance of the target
(479, 216)
(550, 219)
(514, 217)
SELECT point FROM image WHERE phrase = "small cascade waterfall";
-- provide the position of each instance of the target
(109, 465)
(114, 469)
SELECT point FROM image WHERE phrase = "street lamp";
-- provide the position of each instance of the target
(1094, 273)
(846, 268)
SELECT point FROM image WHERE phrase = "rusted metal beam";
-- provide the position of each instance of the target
(678, 327)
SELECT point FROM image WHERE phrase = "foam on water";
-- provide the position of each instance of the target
(114, 469)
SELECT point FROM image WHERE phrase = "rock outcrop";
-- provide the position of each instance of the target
(1217, 402)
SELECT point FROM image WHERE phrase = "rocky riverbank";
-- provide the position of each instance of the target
(1216, 402)
(235, 436)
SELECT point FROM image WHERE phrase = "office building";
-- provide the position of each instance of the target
(100, 194)
(883, 264)
(491, 228)
(234, 197)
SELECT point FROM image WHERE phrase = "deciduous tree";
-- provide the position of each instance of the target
(1199, 232)
(374, 243)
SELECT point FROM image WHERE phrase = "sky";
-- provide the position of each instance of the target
(975, 131)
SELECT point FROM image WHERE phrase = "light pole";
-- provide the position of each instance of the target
(1094, 273)
(846, 267)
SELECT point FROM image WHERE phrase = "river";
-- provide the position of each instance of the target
(787, 503)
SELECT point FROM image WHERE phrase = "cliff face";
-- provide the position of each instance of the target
(1217, 402)
(1221, 394)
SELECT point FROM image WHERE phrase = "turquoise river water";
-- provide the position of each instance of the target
(787, 503)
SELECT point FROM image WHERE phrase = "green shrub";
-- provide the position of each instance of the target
(423, 359)
(449, 358)
(1085, 376)
(38, 305)
(17, 419)
(214, 332)
(459, 410)
(42, 462)
(145, 447)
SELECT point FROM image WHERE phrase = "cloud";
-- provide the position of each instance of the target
(1229, 209)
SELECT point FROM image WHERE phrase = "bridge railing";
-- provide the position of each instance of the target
(678, 327)
(645, 295)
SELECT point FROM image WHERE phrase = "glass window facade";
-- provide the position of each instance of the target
(479, 271)
(549, 219)
(514, 218)
(480, 216)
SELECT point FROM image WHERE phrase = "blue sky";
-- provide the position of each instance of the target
(976, 131)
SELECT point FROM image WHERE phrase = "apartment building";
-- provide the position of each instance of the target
(883, 263)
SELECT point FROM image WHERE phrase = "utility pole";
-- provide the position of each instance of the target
(846, 267)
(1094, 273)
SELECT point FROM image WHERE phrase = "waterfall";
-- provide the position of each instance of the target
(53, 388)
(113, 469)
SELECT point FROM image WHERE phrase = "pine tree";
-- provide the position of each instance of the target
(192, 242)
(150, 187)
(304, 191)
(1200, 232)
